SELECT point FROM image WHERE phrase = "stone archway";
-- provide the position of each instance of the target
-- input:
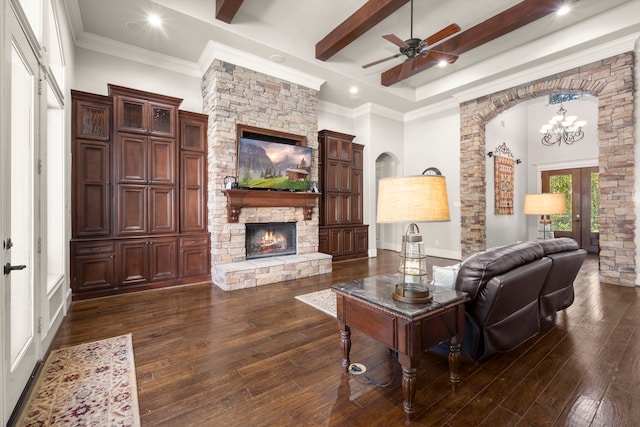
(611, 80)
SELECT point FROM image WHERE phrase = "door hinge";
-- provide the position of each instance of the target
(39, 167)
(39, 325)
(40, 84)
(39, 244)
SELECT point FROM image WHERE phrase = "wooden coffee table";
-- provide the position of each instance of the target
(409, 329)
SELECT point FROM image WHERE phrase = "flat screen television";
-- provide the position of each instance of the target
(270, 165)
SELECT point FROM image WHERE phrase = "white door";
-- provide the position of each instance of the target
(20, 115)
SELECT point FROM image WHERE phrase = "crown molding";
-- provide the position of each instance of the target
(375, 109)
(214, 50)
(332, 108)
(72, 9)
(144, 56)
(449, 105)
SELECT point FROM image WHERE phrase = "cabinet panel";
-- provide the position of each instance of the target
(93, 266)
(162, 209)
(348, 241)
(163, 259)
(194, 256)
(332, 176)
(132, 114)
(345, 208)
(193, 192)
(162, 161)
(132, 159)
(358, 154)
(344, 180)
(193, 133)
(132, 209)
(163, 119)
(93, 120)
(333, 206)
(335, 241)
(362, 240)
(356, 209)
(92, 197)
(133, 262)
(323, 241)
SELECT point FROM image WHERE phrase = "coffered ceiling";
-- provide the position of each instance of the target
(289, 34)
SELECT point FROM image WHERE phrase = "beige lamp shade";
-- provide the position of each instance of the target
(545, 204)
(421, 198)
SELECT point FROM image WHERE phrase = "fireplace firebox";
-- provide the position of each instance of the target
(268, 239)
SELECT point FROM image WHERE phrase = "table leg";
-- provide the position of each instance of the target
(345, 344)
(409, 389)
(454, 360)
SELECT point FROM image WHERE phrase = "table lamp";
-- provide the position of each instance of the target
(421, 198)
(545, 205)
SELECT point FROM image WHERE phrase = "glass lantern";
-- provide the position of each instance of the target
(413, 287)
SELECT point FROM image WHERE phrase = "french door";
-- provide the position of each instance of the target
(20, 116)
(581, 188)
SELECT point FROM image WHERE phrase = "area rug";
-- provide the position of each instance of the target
(92, 384)
(323, 300)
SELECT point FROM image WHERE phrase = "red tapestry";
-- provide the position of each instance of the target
(503, 168)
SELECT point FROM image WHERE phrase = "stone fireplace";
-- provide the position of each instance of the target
(236, 95)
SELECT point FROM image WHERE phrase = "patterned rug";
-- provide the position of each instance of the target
(323, 300)
(92, 384)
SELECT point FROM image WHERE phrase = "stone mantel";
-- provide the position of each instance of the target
(240, 198)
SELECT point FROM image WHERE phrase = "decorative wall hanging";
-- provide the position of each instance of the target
(503, 180)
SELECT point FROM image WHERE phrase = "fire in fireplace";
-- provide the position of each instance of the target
(270, 239)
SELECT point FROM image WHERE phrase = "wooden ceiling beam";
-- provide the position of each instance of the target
(511, 19)
(227, 9)
(361, 21)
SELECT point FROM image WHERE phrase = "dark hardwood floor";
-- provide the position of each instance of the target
(205, 357)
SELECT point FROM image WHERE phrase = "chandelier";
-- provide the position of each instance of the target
(562, 128)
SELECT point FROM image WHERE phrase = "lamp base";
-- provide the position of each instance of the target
(411, 296)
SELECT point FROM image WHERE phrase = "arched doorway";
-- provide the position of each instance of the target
(386, 165)
(616, 158)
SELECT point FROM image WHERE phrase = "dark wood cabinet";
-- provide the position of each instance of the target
(139, 179)
(342, 233)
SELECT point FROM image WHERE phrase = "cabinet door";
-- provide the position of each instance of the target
(132, 210)
(92, 120)
(323, 241)
(344, 179)
(332, 208)
(362, 240)
(194, 256)
(332, 176)
(163, 119)
(163, 259)
(356, 197)
(162, 209)
(132, 114)
(133, 262)
(132, 158)
(336, 241)
(162, 161)
(348, 241)
(93, 266)
(92, 193)
(344, 200)
(193, 197)
(193, 135)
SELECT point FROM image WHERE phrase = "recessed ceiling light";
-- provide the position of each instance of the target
(135, 27)
(154, 19)
(276, 58)
(353, 90)
(564, 9)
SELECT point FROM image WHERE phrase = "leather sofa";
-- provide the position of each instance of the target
(515, 292)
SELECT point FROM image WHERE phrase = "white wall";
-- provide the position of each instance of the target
(95, 70)
(510, 128)
(434, 141)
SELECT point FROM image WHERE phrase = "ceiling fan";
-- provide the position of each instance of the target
(414, 47)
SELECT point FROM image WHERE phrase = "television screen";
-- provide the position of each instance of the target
(273, 165)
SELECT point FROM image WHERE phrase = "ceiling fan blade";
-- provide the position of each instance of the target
(406, 68)
(395, 40)
(381, 60)
(442, 34)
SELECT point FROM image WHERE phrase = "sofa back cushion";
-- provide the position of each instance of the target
(561, 244)
(479, 268)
